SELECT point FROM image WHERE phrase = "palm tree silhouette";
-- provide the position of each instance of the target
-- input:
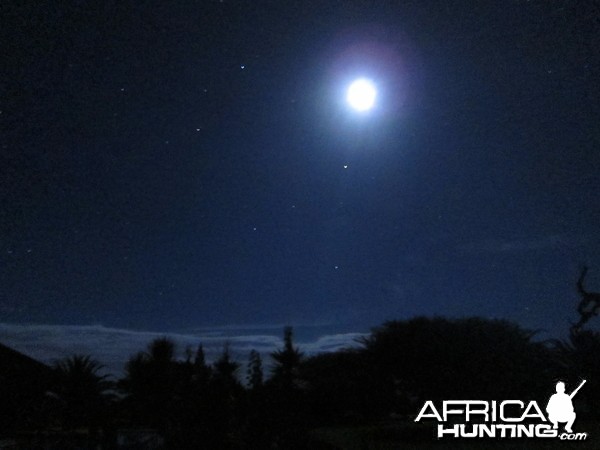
(84, 394)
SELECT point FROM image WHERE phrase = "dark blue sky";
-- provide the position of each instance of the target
(177, 166)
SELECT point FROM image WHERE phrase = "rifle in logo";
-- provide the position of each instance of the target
(572, 394)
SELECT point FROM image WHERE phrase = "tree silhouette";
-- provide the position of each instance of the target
(225, 367)
(588, 307)
(343, 387)
(161, 351)
(225, 399)
(83, 393)
(256, 430)
(440, 358)
(150, 385)
(202, 371)
(287, 361)
(287, 414)
(254, 377)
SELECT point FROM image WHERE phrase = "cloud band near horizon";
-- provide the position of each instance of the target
(112, 347)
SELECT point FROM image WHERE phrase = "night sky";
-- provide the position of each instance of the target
(167, 167)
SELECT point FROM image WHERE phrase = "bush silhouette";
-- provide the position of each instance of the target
(437, 358)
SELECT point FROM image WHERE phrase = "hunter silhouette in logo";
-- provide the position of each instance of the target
(560, 407)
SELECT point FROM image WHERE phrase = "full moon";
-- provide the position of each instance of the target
(361, 94)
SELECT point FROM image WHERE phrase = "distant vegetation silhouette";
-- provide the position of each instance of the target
(164, 401)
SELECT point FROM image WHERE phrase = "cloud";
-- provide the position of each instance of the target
(550, 242)
(112, 347)
(332, 343)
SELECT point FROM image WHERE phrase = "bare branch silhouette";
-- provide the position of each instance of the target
(589, 305)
